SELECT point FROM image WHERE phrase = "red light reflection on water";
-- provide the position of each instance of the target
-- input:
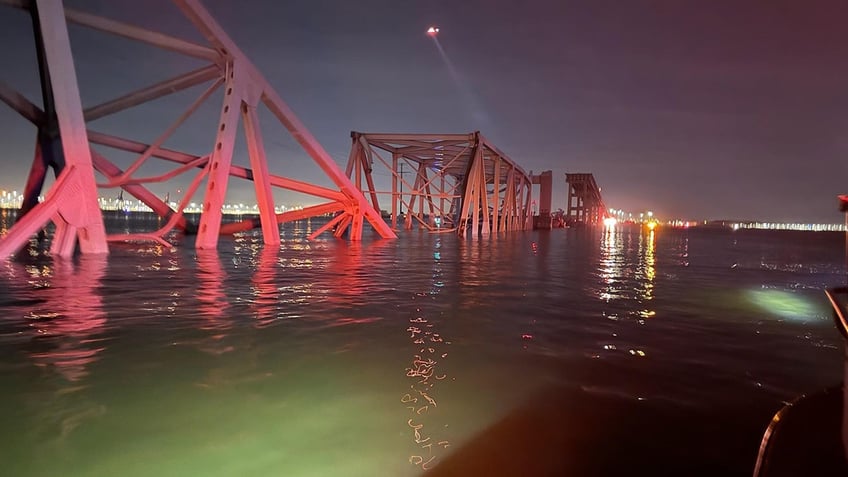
(213, 304)
(265, 291)
(210, 290)
(350, 270)
(350, 282)
(70, 317)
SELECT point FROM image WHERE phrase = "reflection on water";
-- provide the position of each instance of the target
(646, 272)
(424, 373)
(210, 291)
(61, 308)
(264, 291)
(386, 357)
(627, 273)
(611, 265)
(349, 269)
(69, 317)
(213, 302)
(5, 219)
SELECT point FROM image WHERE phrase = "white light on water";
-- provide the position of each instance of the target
(785, 304)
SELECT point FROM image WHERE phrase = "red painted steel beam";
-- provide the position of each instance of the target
(140, 34)
(21, 105)
(236, 171)
(83, 221)
(82, 217)
(108, 169)
(164, 88)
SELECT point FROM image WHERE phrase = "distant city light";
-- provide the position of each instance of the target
(14, 200)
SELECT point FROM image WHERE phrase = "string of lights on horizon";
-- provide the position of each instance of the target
(13, 200)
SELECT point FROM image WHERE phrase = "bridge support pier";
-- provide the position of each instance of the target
(585, 205)
(544, 220)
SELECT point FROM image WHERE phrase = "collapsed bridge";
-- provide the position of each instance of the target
(459, 182)
(65, 139)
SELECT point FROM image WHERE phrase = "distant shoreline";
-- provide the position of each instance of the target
(703, 225)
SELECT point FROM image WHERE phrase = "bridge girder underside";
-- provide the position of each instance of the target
(585, 204)
(462, 179)
(65, 141)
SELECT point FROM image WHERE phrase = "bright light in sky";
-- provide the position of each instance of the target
(433, 31)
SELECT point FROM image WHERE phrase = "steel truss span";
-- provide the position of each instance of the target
(585, 204)
(64, 142)
(457, 182)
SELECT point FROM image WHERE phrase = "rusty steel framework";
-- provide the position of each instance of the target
(461, 182)
(64, 142)
(585, 204)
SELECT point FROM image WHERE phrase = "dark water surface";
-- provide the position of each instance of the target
(644, 351)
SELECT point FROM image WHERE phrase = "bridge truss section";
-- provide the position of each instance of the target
(442, 182)
(65, 141)
(585, 204)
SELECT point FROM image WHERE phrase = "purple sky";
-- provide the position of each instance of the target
(693, 109)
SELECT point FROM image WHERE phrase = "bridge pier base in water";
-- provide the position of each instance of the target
(544, 220)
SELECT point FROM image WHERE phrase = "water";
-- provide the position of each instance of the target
(669, 349)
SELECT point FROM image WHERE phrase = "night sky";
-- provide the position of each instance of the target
(693, 109)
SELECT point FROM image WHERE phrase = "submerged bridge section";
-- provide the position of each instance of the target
(585, 204)
(443, 182)
(65, 140)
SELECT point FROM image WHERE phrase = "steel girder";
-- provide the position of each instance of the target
(585, 204)
(64, 142)
(462, 179)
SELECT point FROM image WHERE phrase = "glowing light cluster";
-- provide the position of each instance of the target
(793, 226)
(10, 200)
